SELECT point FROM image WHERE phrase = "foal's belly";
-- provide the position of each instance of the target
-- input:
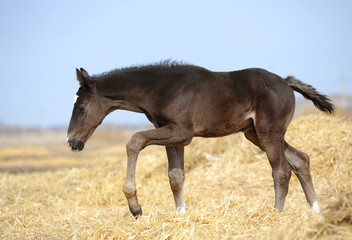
(222, 128)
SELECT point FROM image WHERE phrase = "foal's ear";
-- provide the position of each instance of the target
(83, 78)
(84, 73)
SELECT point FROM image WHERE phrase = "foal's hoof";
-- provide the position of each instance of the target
(315, 207)
(136, 213)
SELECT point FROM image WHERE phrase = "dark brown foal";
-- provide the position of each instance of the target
(186, 101)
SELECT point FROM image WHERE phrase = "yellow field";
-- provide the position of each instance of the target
(47, 192)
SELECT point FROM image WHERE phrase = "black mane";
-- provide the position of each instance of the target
(164, 65)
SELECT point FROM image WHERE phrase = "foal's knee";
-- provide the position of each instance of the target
(135, 144)
(176, 179)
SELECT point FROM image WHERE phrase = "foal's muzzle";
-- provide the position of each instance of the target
(75, 144)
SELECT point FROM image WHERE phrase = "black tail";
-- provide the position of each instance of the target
(320, 101)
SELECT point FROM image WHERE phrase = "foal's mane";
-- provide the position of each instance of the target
(165, 65)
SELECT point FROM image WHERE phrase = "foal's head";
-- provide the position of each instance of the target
(88, 112)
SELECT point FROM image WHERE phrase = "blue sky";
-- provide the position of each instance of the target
(42, 42)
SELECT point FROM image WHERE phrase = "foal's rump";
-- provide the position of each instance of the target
(261, 85)
(230, 100)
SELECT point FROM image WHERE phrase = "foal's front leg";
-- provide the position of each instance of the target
(175, 156)
(129, 187)
(169, 135)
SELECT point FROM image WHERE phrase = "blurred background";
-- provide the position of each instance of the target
(42, 43)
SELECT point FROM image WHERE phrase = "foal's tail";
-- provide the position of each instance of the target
(320, 101)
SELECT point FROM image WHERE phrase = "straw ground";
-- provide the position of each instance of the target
(228, 189)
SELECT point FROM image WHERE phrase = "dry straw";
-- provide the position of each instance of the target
(228, 191)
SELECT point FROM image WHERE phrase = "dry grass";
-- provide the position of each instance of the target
(228, 191)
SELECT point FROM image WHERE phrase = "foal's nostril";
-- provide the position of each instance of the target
(80, 145)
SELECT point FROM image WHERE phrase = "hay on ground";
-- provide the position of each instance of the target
(228, 191)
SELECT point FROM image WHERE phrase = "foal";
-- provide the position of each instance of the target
(186, 101)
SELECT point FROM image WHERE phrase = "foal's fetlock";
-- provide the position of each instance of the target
(129, 190)
(131, 196)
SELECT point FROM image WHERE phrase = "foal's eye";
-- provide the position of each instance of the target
(81, 108)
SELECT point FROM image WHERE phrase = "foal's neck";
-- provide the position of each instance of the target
(127, 91)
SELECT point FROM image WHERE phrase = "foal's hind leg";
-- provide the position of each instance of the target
(281, 173)
(272, 144)
(299, 162)
(175, 157)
